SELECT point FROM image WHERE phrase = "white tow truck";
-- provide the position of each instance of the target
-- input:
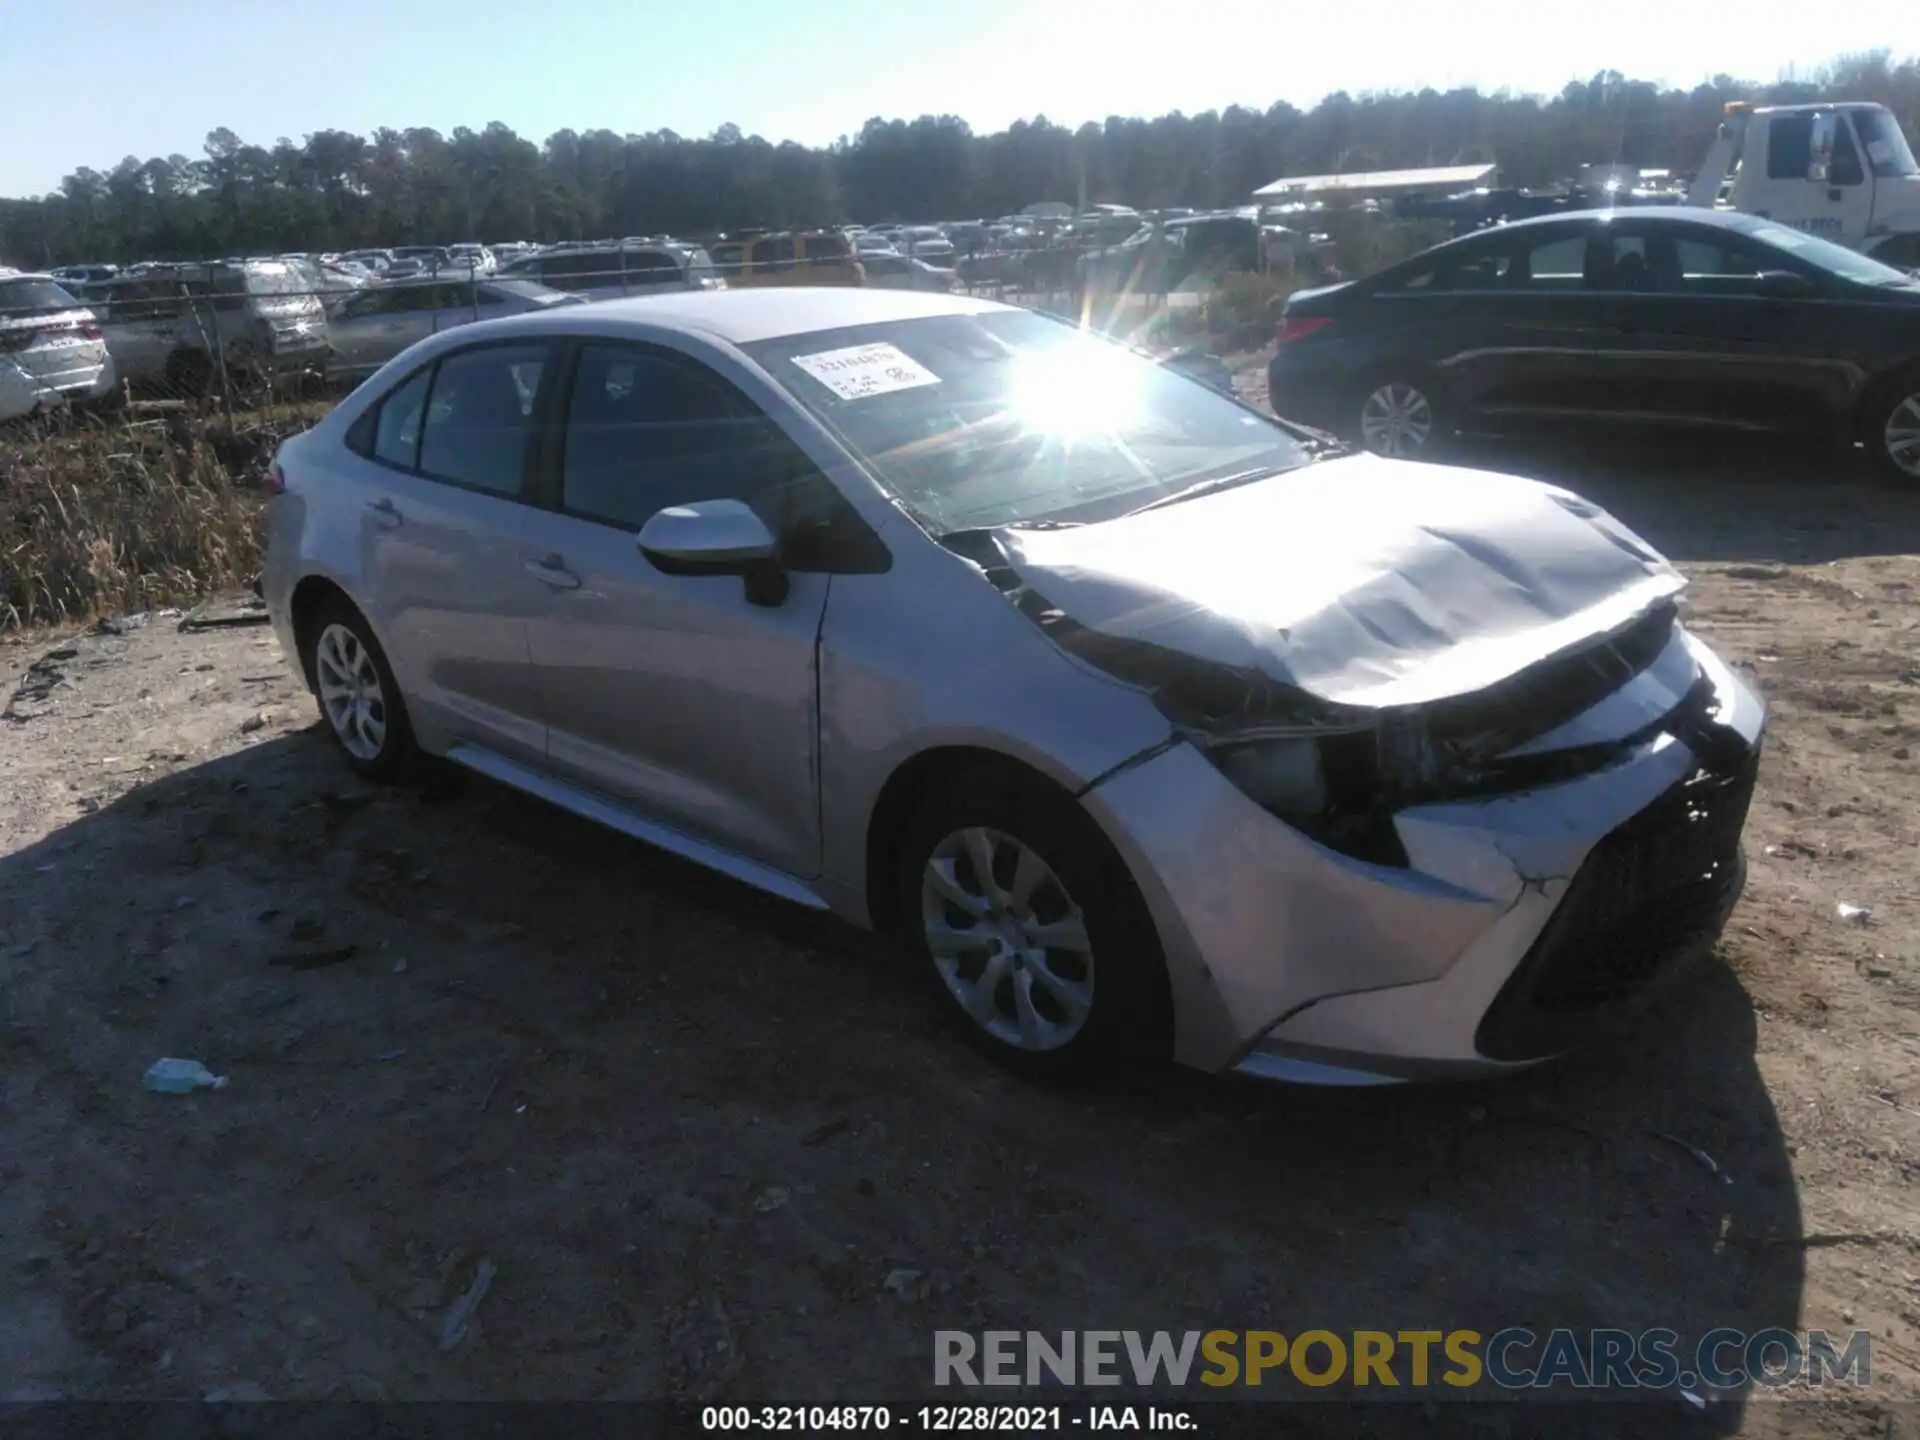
(1841, 171)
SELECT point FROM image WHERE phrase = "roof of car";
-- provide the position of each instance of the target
(741, 317)
(1674, 214)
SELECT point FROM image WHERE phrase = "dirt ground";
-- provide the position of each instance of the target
(692, 1132)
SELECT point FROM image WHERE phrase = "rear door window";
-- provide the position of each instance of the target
(774, 254)
(582, 270)
(480, 416)
(652, 267)
(1555, 262)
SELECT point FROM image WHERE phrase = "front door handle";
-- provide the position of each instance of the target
(552, 570)
(385, 511)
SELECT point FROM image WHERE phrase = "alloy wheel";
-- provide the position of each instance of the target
(1008, 941)
(350, 692)
(1902, 436)
(1396, 420)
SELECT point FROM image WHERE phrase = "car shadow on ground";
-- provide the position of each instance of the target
(1709, 498)
(720, 1147)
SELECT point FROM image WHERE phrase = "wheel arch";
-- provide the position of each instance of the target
(1887, 391)
(929, 773)
(1878, 390)
(304, 607)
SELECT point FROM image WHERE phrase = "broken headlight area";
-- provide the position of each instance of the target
(1340, 773)
(1329, 785)
(1342, 787)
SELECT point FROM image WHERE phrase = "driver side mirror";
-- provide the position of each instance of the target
(717, 537)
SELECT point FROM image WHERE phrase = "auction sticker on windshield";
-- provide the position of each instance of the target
(862, 370)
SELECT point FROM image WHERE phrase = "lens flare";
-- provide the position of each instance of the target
(1077, 390)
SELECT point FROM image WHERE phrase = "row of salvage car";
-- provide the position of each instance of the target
(173, 329)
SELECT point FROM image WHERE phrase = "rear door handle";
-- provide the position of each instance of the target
(552, 570)
(385, 511)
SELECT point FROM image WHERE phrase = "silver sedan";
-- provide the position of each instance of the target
(378, 321)
(1155, 727)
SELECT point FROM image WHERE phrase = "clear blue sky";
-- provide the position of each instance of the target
(117, 78)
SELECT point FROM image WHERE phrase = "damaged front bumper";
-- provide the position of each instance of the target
(1520, 922)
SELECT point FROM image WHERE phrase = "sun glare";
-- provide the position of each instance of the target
(1076, 390)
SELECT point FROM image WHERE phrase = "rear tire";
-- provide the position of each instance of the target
(1403, 416)
(1890, 429)
(354, 687)
(1031, 932)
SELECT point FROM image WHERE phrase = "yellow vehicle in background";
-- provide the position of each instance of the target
(788, 257)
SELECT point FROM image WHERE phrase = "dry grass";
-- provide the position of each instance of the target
(103, 517)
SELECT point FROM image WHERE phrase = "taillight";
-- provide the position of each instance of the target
(92, 332)
(1298, 327)
(11, 340)
(276, 482)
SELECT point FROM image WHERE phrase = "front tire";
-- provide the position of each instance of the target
(358, 697)
(1031, 932)
(1890, 427)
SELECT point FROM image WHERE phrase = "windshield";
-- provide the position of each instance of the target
(1823, 254)
(1887, 149)
(1010, 418)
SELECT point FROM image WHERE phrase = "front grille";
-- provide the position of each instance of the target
(1651, 896)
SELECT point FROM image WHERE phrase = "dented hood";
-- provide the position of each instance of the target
(1362, 581)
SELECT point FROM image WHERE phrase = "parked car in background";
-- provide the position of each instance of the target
(606, 272)
(897, 272)
(928, 243)
(378, 323)
(330, 281)
(173, 326)
(71, 275)
(52, 352)
(472, 256)
(1664, 315)
(376, 261)
(428, 257)
(818, 257)
(512, 250)
(1261, 753)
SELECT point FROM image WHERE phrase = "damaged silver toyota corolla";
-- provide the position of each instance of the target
(1156, 727)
